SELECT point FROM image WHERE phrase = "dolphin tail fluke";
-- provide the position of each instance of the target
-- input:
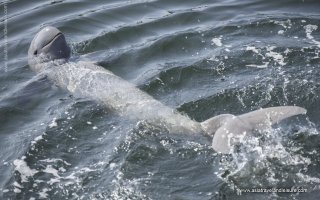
(272, 115)
(227, 127)
(210, 126)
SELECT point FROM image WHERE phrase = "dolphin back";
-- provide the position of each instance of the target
(228, 127)
(94, 82)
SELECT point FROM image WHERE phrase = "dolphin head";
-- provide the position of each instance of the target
(48, 44)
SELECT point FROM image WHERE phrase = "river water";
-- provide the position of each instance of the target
(202, 57)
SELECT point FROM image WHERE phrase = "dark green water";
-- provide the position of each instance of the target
(203, 58)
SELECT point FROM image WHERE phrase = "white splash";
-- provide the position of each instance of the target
(277, 57)
(43, 194)
(217, 41)
(257, 156)
(309, 29)
(24, 170)
(50, 170)
(285, 24)
(16, 190)
(253, 49)
(307, 178)
(112, 166)
(16, 184)
(53, 160)
(53, 123)
(37, 139)
(264, 65)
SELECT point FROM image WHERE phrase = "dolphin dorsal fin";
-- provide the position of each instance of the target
(231, 126)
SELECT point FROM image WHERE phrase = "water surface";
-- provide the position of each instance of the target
(203, 58)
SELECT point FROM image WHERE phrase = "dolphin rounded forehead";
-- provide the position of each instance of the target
(45, 36)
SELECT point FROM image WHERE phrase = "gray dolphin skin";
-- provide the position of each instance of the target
(49, 53)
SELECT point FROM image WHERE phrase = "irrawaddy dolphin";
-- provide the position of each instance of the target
(49, 53)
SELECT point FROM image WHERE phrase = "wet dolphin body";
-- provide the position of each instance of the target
(49, 54)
